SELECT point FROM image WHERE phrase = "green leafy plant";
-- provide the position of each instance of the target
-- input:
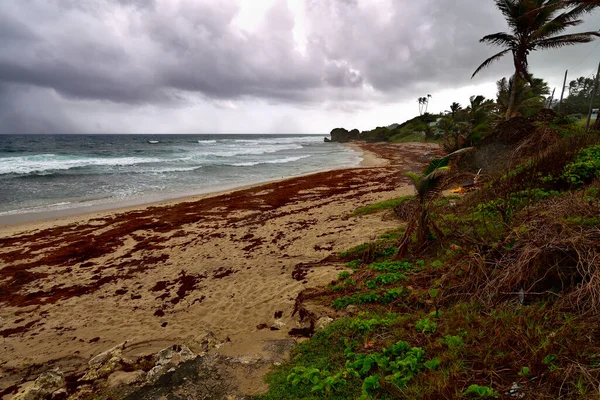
(452, 342)
(391, 266)
(385, 279)
(584, 168)
(343, 275)
(426, 325)
(549, 358)
(525, 372)
(303, 375)
(354, 264)
(481, 392)
(432, 364)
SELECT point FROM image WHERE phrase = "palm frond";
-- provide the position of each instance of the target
(436, 174)
(489, 61)
(566, 40)
(560, 23)
(431, 185)
(415, 178)
(460, 152)
(500, 39)
(586, 5)
(510, 10)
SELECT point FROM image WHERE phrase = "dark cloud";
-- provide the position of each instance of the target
(27, 109)
(159, 52)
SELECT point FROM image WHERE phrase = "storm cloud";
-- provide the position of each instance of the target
(105, 66)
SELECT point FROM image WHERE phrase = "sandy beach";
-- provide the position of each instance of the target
(164, 273)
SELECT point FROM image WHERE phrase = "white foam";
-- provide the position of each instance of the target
(279, 161)
(174, 169)
(280, 140)
(233, 151)
(43, 164)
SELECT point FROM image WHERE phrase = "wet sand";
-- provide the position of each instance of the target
(164, 273)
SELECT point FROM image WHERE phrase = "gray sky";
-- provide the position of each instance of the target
(248, 66)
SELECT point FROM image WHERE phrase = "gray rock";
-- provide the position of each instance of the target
(106, 363)
(323, 323)
(167, 359)
(351, 309)
(43, 386)
(107, 355)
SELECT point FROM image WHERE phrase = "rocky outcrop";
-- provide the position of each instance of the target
(43, 387)
(169, 358)
(206, 341)
(106, 363)
(323, 323)
(341, 135)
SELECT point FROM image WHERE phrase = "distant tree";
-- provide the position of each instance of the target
(478, 116)
(420, 100)
(528, 99)
(424, 104)
(427, 104)
(454, 108)
(580, 92)
(451, 130)
(535, 25)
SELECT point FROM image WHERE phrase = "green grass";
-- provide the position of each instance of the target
(381, 206)
(381, 248)
(413, 137)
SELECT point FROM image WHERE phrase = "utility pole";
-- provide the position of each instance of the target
(562, 92)
(587, 125)
(551, 98)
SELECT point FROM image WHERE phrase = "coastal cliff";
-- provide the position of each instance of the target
(341, 135)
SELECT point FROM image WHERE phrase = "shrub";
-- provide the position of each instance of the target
(584, 168)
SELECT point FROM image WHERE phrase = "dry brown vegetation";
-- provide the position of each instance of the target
(514, 269)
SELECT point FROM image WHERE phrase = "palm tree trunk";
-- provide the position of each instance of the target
(511, 99)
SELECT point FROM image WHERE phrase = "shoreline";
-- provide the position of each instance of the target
(160, 275)
(30, 219)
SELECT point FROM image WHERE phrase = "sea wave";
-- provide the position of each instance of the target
(278, 161)
(207, 141)
(173, 169)
(44, 164)
(49, 207)
(285, 140)
(234, 151)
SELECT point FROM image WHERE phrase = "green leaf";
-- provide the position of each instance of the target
(432, 364)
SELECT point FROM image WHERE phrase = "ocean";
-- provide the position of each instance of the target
(41, 173)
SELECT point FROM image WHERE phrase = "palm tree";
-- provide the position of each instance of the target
(536, 25)
(428, 187)
(455, 108)
(528, 99)
(478, 116)
(423, 104)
